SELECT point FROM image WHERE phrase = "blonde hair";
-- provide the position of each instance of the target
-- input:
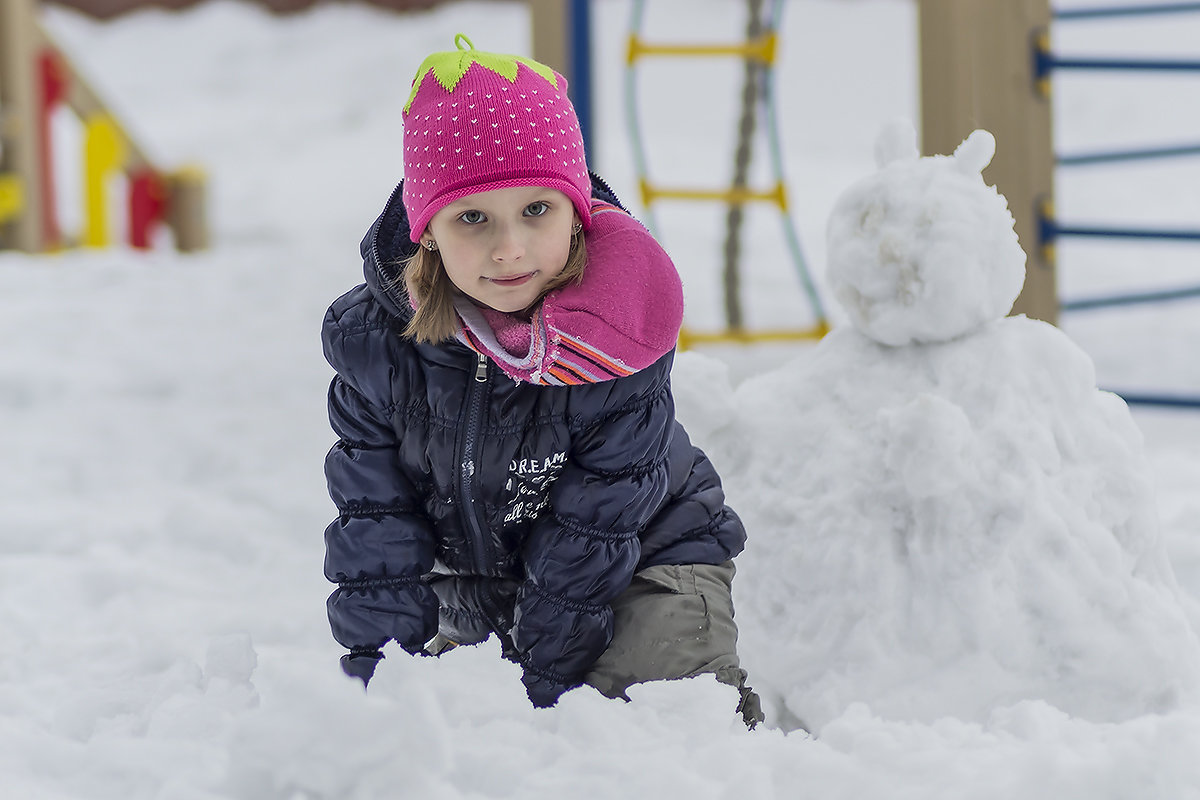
(434, 319)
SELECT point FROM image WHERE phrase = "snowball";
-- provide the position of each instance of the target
(924, 250)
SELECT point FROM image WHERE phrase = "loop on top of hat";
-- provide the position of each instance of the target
(449, 66)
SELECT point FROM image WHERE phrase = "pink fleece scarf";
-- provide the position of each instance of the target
(620, 319)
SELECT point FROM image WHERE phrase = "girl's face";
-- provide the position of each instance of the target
(502, 247)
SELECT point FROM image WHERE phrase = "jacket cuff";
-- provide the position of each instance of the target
(544, 691)
(360, 663)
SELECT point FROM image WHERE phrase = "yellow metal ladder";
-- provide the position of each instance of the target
(758, 53)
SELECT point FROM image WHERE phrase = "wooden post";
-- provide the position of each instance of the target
(186, 204)
(977, 71)
(19, 104)
(562, 41)
(550, 20)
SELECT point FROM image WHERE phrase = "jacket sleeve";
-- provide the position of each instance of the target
(583, 554)
(381, 544)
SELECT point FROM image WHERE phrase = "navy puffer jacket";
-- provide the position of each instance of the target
(493, 506)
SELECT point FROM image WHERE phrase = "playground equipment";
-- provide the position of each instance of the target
(988, 63)
(1053, 229)
(1047, 62)
(36, 79)
(757, 53)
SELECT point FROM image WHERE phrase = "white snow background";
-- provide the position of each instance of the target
(970, 572)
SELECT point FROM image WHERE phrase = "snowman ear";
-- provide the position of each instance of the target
(975, 152)
(897, 141)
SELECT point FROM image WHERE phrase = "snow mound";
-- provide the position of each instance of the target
(946, 516)
(923, 250)
(953, 528)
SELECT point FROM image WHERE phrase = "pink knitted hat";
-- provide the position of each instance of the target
(479, 121)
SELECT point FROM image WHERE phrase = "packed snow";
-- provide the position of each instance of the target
(971, 571)
(962, 520)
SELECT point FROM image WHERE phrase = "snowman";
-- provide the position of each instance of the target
(946, 516)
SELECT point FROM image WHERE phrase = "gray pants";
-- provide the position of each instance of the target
(675, 621)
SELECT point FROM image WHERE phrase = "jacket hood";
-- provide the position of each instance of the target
(387, 247)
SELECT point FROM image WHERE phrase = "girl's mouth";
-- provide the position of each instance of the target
(515, 280)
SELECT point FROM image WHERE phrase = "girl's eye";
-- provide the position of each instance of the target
(536, 209)
(472, 217)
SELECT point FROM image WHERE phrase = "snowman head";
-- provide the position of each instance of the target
(924, 250)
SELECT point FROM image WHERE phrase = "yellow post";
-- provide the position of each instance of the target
(104, 152)
(19, 144)
(12, 198)
(977, 71)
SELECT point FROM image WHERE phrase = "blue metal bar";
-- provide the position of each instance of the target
(1124, 11)
(1049, 61)
(1128, 155)
(1166, 400)
(580, 38)
(1045, 61)
(1051, 230)
(1130, 299)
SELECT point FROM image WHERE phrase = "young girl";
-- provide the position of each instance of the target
(509, 461)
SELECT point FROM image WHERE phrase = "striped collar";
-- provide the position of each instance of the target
(555, 357)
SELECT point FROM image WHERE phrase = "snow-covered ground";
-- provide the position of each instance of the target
(163, 430)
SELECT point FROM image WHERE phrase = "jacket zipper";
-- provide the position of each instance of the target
(483, 554)
(473, 421)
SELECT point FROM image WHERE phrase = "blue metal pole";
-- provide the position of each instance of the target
(1049, 61)
(1170, 401)
(1125, 11)
(1085, 304)
(580, 38)
(1053, 230)
(1110, 156)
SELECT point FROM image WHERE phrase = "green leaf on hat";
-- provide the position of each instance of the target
(449, 66)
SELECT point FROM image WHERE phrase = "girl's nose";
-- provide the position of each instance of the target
(508, 246)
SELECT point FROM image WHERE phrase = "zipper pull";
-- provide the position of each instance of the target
(481, 368)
